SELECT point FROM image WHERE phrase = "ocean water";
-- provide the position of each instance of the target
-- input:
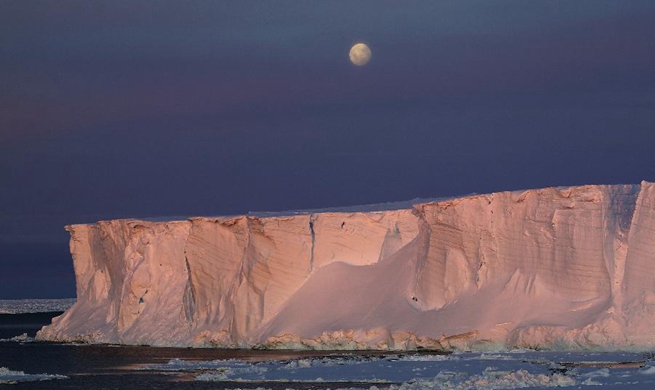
(122, 367)
(37, 365)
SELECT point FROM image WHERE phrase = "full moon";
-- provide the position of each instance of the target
(360, 54)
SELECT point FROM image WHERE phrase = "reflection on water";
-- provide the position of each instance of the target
(101, 366)
(16, 324)
(106, 366)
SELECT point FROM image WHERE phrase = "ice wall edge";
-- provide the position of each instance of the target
(548, 268)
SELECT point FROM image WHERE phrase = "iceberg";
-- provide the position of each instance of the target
(558, 268)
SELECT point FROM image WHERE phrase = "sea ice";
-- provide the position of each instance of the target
(8, 376)
(460, 370)
(489, 379)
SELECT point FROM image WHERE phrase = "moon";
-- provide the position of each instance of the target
(360, 54)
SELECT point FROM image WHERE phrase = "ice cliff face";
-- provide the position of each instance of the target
(556, 267)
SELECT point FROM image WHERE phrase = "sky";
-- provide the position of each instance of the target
(131, 109)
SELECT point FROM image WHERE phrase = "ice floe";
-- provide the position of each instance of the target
(8, 376)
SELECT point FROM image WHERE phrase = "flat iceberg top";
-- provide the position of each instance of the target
(370, 208)
(367, 208)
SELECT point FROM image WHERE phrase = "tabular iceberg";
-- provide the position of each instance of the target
(550, 268)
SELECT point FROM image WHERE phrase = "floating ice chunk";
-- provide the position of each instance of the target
(591, 382)
(494, 356)
(8, 376)
(426, 358)
(215, 376)
(218, 370)
(602, 373)
(22, 337)
(186, 365)
(333, 361)
(296, 364)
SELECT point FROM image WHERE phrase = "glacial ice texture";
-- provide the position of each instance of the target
(551, 268)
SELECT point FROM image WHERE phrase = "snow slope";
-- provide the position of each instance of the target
(550, 268)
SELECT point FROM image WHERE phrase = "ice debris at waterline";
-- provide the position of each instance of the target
(548, 268)
(22, 338)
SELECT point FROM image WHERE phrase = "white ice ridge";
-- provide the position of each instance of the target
(549, 268)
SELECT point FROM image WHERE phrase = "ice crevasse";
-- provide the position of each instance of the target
(548, 268)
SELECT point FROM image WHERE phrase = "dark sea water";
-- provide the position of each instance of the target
(113, 367)
(16, 324)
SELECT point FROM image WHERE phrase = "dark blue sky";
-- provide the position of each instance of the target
(167, 108)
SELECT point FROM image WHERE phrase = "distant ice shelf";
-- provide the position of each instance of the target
(559, 268)
(21, 306)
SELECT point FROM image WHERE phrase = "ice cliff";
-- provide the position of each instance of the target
(551, 268)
